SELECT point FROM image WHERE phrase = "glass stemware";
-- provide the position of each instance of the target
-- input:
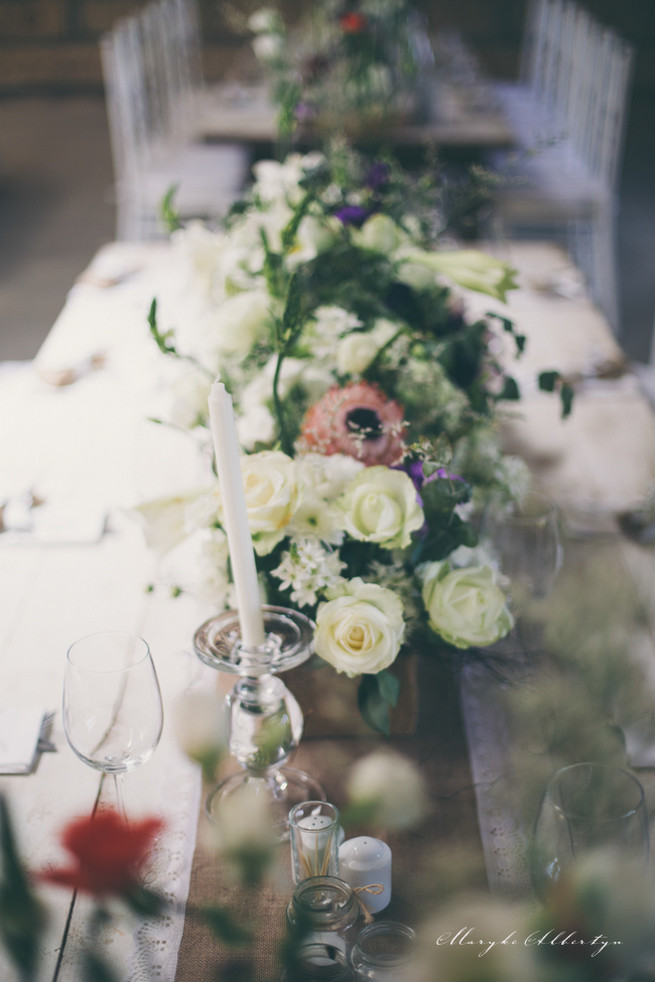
(266, 721)
(586, 806)
(526, 541)
(112, 706)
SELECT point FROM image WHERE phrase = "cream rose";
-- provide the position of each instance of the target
(379, 233)
(266, 20)
(165, 520)
(313, 237)
(466, 606)
(268, 47)
(356, 350)
(271, 489)
(360, 629)
(381, 506)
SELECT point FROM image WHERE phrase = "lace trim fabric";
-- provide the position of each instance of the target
(147, 950)
(503, 839)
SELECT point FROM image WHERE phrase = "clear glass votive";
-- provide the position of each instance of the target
(331, 916)
(314, 831)
(383, 952)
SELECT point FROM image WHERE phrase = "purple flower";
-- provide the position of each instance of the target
(352, 214)
(304, 112)
(377, 176)
(415, 472)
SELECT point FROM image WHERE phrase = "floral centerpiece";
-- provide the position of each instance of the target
(366, 403)
(351, 65)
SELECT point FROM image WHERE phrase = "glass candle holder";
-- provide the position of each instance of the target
(265, 719)
(328, 910)
(314, 831)
(383, 952)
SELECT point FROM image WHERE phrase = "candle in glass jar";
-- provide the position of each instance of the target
(235, 517)
(365, 863)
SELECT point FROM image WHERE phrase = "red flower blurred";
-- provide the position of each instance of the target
(352, 23)
(357, 420)
(107, 852)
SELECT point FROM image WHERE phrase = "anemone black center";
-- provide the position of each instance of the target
(365, 422)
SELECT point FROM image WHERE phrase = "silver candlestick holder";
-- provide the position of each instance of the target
(265, 720)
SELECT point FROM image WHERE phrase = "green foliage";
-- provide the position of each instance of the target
(553, 381)
(22, 917)
(169, 215)
(376, 695)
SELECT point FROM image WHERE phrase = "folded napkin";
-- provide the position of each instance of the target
(21, 728)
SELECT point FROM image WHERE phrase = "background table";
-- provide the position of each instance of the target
(457, 120)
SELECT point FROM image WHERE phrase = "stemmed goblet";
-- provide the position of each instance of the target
(112, 706)
(587, 806)
(525, 543)
(526, 540)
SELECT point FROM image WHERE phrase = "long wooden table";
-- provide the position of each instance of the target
(458, 118)
(84, 447)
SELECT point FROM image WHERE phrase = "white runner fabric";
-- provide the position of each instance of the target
(84, 448)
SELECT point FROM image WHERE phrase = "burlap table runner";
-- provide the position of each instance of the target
(450, 829)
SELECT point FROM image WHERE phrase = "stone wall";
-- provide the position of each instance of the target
(51, 46)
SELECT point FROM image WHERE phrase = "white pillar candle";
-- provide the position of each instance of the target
(366, 862)
(235, 516)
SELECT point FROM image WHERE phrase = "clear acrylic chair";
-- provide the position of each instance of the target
(151, 153)
(564, 182)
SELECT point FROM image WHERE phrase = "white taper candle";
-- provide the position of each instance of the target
(235, 514)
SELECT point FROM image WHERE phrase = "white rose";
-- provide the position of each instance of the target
(165, 519)
(271, 489)
(465, 606)
(241, 320)
(322, 480)
(270, 180)
(313, 237)
(243, 831)
(360, 630)
(356, 351)
(275, 180)
(201, 726)
(381, 505)
(380, 233)
(266, 20)
(268, 47)
(391, 786)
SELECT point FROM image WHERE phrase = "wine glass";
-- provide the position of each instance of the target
(586, 806)
(526, 541)
(112, 705)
